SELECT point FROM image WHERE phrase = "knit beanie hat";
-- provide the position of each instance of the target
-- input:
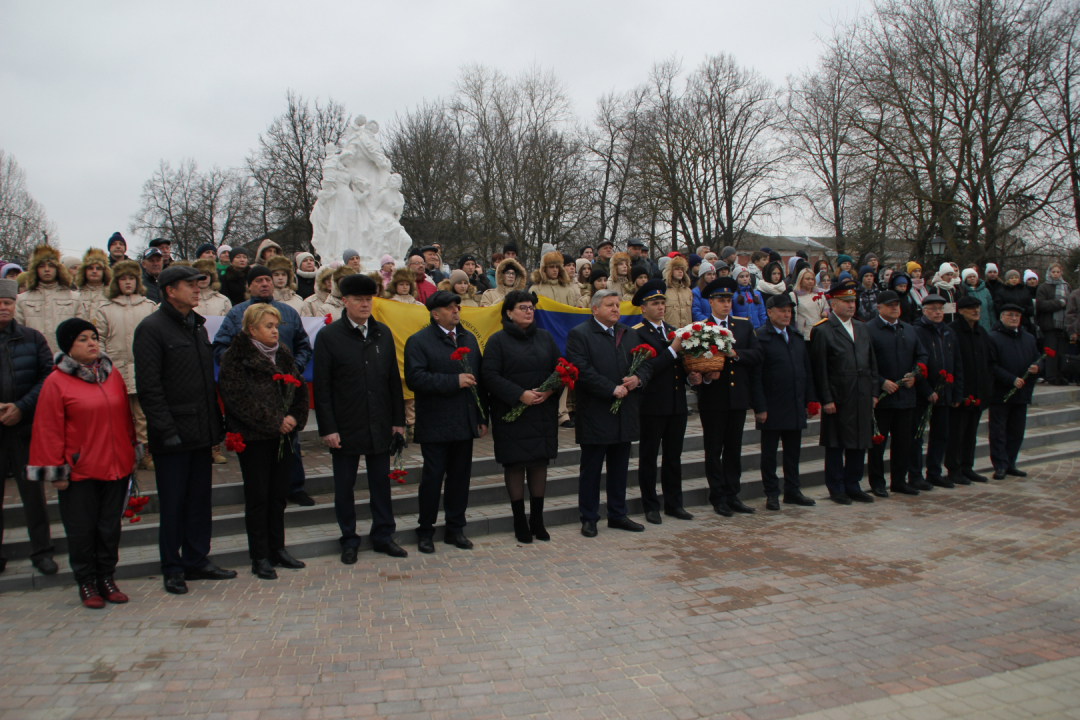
(9, 289)
(457, 276)
(968, 272)
(349, 253)
(69, 330)
(990, 267)
(224, 249)
(116, 237)
(1029, 274)
(912, 265)
(946, 268)
(385, 259)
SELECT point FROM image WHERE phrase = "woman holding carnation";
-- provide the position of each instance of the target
(517, 361)
(265, 403)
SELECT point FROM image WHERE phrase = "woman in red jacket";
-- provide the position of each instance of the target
(83, 442)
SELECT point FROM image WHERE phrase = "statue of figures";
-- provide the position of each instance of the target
(360, 202)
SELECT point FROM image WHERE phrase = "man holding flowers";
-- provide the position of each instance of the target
(1015, 356)
(946, 376)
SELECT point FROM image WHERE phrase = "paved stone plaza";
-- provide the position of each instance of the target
(959, 603)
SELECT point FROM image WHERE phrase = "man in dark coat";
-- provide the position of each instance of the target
(117, 247)
(663, 407)
(899, 353)
(448, 417)
(467, 264)
(1013, 352)
(724, 398)
(600, 348)
(781, 387)
(975, 392)
(942, 355)
(639, 255)
(360, 409)
(25, 362)
(152, 261)
(845, 379)
(176, 389)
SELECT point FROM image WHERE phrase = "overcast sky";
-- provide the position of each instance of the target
(96, 94)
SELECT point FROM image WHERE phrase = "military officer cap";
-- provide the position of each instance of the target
(357, 285)
(932, 299)
(888, 296)
(724, 287)
(440, 299)
(649, 291)
(843, 289)
(779, 301)
(968, 301)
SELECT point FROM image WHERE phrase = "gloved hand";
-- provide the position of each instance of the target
(173, 441)
(397, 443)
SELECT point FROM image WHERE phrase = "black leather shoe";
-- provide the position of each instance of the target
(588, 528)
(904, 490)
(392, 549)
(653, 517)
(458, 540)
(46, 566)
(301, 498)
(282, 558)
(772, 502)
(174, 583)
(799, 499)
(860, 496)
(999, 475)
(568, 424)
(625, 523)
(957, 479)
(348, 555)
(879, 492)
(1015, 471)
(679, 513)
(940, 482)
(426, 545)
(840, 498)
(973, 476)
(738, 506)
(921, 485)
(209, 571)
(722, 508)
(263, 569)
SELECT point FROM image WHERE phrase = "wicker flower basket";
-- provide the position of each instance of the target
(703, 365)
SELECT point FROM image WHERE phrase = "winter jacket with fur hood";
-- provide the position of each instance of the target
(322, 302)
(286, 294)
(91, 297)
(495, 295)
(43, 307)
(402, 275)
(467, 300)
(680, 297)
(211, 302)
(268, 243)
(117, 319)
(561, 289)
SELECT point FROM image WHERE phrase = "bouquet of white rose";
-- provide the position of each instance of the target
(704, 345)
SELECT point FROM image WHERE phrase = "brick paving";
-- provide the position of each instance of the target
(955, 603)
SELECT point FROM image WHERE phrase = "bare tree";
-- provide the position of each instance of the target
(23, 222)
(614, 144)
(1063, 109)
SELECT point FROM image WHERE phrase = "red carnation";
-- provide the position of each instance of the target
(129, 513)
(967, 401)
(878, 439)
(977, 401)
(328, 319)
(942, 374)
(710, 323)
(713, 349)
(671, 335)
(1048, 352)
(686, 336)
(948, 379)
(234, 442)
(135, 519)
(277, 376)
(724, 332)
(696, 327)
(813, 408)
(459, 353)
(922, 370)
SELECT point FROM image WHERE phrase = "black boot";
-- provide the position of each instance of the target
(521, 523)
(536, 518)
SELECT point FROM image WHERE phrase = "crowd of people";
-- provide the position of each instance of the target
(109, 369)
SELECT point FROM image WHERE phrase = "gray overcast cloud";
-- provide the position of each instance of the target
(95, 94)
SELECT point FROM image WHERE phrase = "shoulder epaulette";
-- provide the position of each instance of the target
(737, 317)
(820, 321)
(639, 325)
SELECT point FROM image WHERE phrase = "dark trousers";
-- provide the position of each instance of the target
(723, 433)
(895, 425)
(452, 460)
(792, 443)
(183, 485)
(266, 482)
(843, 470)
(618, 467)
(378, 480)
(1007, 424)
(963, 424)
(666, 431)
(296, 467)
(92, 511)
(13, 457)
(936, 438)
(1057, 341)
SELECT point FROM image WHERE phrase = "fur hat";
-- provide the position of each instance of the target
(343, 271)
(125, 267)
(511, 263)
(324, 272)
(45, 253)
(94, 256)
(615, 260)
(677, 262)
(280, 262)
(551, 259)
(378, 278)
(208, 267)
(401, 275)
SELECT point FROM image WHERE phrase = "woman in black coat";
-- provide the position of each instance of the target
(1015, 293)
(516, 362)
(265, 412)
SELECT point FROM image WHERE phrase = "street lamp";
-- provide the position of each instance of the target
(937, 245)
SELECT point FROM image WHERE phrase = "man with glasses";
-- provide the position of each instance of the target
(424, 287)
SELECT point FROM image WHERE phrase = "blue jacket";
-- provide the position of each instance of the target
(700, 309)
(783, 383)
(291, 332)
(748, 303)
(898, 350)
(25, 362)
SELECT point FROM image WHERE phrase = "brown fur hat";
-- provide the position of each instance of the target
(615, 260)
(401, 275)
(550, 259)
(343, 271)
(320, 277)
(677, 262)
(125, 267)
(519, 282)
(377, 277)
(45, 253)
(208, 267)
(94, 256)
(280, 262)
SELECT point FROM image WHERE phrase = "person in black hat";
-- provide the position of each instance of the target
(587, 252)
(360, 410)
(1013, 352)
(178, 395)
(510, 250)
(639, 255)
(117, 249)
(781, 387)
(898, 352)
(449, 416)
(604, 251)
(975, 392)
(664, 410)
(432, 263)
(845, 379)
(467, 264)
(165, 246)
(152, 265)
(724, 398)
(942, 355)
(234, 283)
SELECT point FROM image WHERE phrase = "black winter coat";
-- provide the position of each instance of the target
(975, 358)
(942, 353)
(305, 286)
(1012, 352)
(445, 412)
(516, 361)
(666, 391)
(358, 391)
(254, 402)
(234, 285)
(1047, 305)
(153, 292)
(602, 362)
(25, 362)
(1016, 295)
(898, 351)
(845, 373)
(175, 381)
(731, 391)
(783, 383)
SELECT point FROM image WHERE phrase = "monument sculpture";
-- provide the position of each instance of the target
(360, 202)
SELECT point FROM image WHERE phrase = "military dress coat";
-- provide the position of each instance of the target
(845, 373)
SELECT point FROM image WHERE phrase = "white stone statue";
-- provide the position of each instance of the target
(360, 202)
